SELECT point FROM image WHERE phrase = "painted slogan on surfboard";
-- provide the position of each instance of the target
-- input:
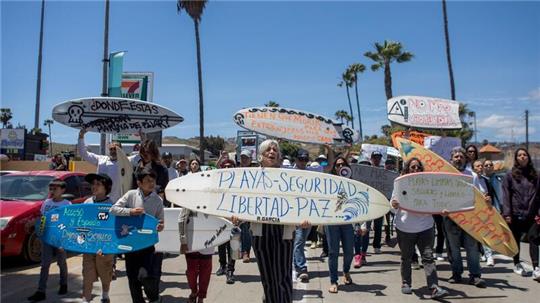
(279, 196)
(87, 228)
(115, 115)
(424, 112)
(295, 125)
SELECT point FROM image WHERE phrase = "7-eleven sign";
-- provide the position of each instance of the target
(132, 88)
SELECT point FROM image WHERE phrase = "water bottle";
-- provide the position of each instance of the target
(236, 243)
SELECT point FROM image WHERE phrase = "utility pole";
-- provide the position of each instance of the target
(40, 51)
(104, 88)
(527, 129)
(49, 122)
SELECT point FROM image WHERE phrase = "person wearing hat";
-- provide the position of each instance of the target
(245, 161)
(56, 189)
(376, 158)
(98, 265)
(245, 158)
(166, 160)
(181, 167)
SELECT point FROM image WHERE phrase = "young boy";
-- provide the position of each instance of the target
(143, 267)
(56, 189)
(98, 265)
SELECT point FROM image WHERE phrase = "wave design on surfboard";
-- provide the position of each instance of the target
(356, 206)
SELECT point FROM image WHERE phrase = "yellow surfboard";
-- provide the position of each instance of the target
(484, 223)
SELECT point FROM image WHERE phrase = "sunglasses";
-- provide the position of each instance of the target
(340, 164)
(54, 187)
(415, 167)
(488, 165)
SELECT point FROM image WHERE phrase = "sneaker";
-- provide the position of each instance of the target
(490, 262)
(439, 257)
(454, 279)
(230, 278)
(303, 277)
(324, 254)
(313, 245)
(377, 251)
(519, 270)
(406, 289)
(221, 271)
(438, 293)
(415, 265)
(364, 260)
(536, 274)
(483, 259)
(37, 296)
(63, 289)
(357, 261)
(478, 282)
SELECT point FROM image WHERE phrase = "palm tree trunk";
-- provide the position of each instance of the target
(350, 104)
(448, 57)
(358, 106)
(40, 52)
(387, 80)
(201, 103)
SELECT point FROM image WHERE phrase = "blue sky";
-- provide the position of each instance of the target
(289, 52)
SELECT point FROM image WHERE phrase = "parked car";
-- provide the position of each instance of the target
(5, 172)
(21, 197)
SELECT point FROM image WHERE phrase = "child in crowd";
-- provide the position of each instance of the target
(98, 265)
(143, 267)
(56, 189)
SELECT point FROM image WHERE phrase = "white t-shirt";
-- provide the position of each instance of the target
(173, 173)
(411, 222)
(49, 204)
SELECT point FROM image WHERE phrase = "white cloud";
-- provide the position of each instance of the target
(533, 95)
(507, 127)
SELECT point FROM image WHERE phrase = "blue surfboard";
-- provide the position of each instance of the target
(87, 228)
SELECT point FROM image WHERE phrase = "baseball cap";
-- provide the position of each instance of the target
(302, 154)
(246, 153)
(166, 155)
(322, 157)
(376, 154)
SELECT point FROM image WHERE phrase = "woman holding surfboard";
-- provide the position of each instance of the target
(521, 190)
(415, 229)
(272, 243)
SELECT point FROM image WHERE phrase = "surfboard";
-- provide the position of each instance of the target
(115, 115)
(379, 178)
(484, 223)
(203, 231)
(414, 136)
(278, 196)
(295, 125)
(87, 228)
(125, 171)
(431, 193)
(424, 112)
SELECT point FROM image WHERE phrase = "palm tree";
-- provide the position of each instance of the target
(194, 9)
(347, 81)
(5, 116)
(341, 114)
(49, 122)
(354, 70)
(448, 57)
(271, 104)
(348, 118)
(385, 54)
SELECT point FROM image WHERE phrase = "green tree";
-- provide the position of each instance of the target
(214, 144)
(341, 115)
(5, 116)
(194, 9)
(271, 104)
(354, 70)
(288, 148)
(347, 81)
(384, 55)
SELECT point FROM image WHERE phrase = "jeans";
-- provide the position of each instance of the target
(518, 227)
(151, 262)
(456, 236)
(225, 257)
(299, 256)
(335, 234)
(377, 232)
(361, 243)
(246, 237)
(47, 253)
(407, 243)
(440, 233)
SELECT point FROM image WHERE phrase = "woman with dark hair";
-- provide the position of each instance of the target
(521, 192)
(472, 155)
(149, 154)
(336, 234)
(415, 229)
(194, 166)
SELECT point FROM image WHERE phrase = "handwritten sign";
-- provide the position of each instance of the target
(280, 196)
(115, 115)
(295, 125)
(424, 112)
(442, 146)
(434, 192)
(378, 178)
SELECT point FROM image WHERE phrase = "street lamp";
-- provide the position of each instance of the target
(49, 122)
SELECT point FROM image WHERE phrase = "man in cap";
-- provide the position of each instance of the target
(245, 158)
(166, 160)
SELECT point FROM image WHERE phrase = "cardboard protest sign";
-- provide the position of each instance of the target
(424, 112)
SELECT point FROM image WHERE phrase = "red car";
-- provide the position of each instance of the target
(21, 196)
